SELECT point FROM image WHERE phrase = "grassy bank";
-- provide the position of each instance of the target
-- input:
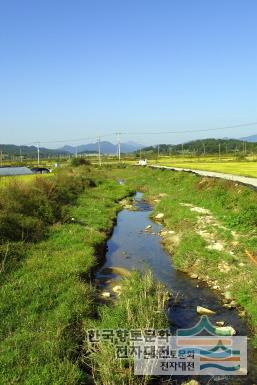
(213, 224)
(46, 297)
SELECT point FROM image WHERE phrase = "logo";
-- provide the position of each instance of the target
(204, 349)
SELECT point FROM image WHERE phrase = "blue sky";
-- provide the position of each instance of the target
(82, 68)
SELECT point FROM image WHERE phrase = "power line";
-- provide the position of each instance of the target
(192, 131)
(73, 140)
(146, 133)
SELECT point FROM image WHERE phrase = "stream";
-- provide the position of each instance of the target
(131, 247)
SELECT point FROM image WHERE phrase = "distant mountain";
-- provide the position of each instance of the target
(27, 151)
(11, 150)
(251, 138)
(208, 146)
(106, 148)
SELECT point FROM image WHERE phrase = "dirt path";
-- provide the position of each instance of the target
(236, 178)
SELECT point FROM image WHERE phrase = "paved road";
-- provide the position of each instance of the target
(235, 178)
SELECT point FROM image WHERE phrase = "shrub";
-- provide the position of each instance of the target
(26, 210)
(18, 227)
(75, 162)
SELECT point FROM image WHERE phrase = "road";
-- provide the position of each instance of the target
(235, 178)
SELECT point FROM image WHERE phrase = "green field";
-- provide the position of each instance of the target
(6, 180)
(245, 168)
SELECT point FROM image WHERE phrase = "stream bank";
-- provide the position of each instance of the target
(135, 245)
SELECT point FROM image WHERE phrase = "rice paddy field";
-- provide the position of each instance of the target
(226, 165)
(6, 180)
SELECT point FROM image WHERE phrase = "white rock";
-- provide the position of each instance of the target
(128, 207)
(194, 276)
(117, 289)
(204, 311)
(220, 323)
(192, 382)
(225, 331)
(148, 227)
(159, 216)
(106, 294)
(224, 267)
(228, 295)
(216, 246)
(200, 210)
(233, 304)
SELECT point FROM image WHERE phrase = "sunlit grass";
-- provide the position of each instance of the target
(141, 306)
(6, 180)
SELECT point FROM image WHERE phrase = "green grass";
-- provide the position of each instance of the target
(48, 301)
(140, 307)
(44, 301)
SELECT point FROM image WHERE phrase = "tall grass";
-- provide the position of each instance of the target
(140, 306)
(28, 209)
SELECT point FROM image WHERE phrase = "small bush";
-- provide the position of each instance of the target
(75, 162)
(17, 227)
(241, 157)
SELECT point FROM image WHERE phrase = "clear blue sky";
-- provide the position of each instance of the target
(79, 68)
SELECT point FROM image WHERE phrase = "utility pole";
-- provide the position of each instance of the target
(219, 150)
(99, 151)
(118, 139)
(182, 148)
(204, 149)
(38, 155)
(20, 155)
(76, 154)
(158, 151)
(140, 153)
(1, 158)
